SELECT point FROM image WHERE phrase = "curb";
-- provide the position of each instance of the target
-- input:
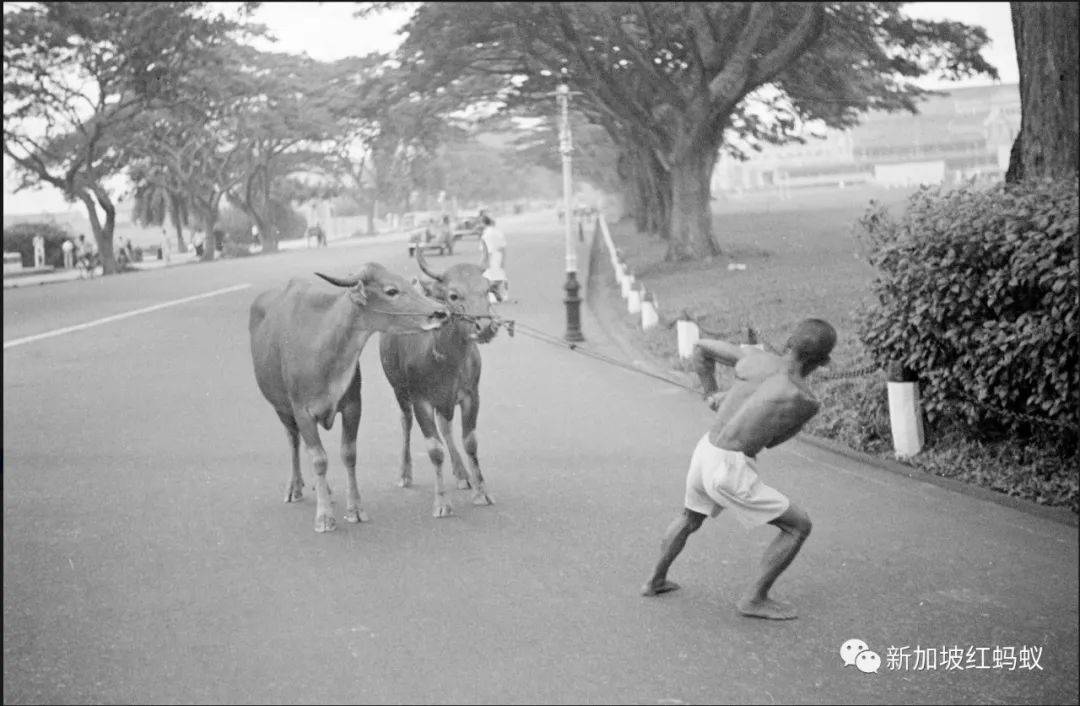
(1061, 515)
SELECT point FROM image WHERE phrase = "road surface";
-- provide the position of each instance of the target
(148, 556)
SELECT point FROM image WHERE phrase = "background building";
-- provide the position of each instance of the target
(965, 133)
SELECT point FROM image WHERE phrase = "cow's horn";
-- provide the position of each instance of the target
(340, 282)
(420, 260)
(354, 279)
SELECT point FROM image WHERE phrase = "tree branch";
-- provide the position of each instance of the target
(728, 84)
(805, 33)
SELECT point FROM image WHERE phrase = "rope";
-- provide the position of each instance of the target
(859, 371)
(1030, 418)
(539, 335)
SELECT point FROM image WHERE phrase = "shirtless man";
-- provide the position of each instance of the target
(768, 404)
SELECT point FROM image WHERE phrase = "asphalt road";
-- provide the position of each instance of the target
(148, 556)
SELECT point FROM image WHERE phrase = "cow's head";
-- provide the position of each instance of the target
(387, 302)
(464, 289)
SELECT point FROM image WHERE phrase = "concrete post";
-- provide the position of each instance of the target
(649, 317)
(633, 301)
(905, 412)
(688, 334)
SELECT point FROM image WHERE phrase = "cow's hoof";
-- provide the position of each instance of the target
(405, 482)
(463, 484)
(355, 515)
(294, 493)
(325, 523)
(443, 511)
(482, 498)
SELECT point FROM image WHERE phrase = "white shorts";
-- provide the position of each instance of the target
(720, 479)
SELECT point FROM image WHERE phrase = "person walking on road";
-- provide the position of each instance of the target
(493, 244)
(768, 404)
(68, 249)
(166, 247)
(84, 257)
(39, 251)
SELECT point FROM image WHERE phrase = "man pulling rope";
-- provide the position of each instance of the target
(768, 404)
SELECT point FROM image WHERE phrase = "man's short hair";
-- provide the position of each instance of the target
(812, 340)
(487, 220)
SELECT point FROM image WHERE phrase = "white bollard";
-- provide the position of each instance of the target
(688, 333)
(627, 285)
(905, 418)
(649, 317)
(633, 301)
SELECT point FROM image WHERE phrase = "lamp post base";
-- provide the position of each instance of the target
(573, 309)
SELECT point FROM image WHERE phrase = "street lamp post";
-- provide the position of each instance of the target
(573, 301)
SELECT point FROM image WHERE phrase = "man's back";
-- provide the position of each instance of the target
(765, 407)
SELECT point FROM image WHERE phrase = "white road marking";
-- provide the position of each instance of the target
(118, 317)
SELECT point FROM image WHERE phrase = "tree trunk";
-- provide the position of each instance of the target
(691, 207)
(1047, 55)
(177, 221)
(210, 211)
(267, 237)
(103, 232)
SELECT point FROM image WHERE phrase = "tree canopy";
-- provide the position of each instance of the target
(674, 83)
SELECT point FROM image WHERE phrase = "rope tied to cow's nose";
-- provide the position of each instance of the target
(495, 319)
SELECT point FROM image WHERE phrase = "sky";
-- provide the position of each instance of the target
(327, 31)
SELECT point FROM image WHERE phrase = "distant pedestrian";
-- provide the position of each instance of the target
(493, 244)
(68, 249)
(39, 251)
(198, 240)
(166, 247)
(255, 238)
(219, 240)
(84, 256)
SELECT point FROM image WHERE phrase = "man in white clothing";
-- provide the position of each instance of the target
(493, 243)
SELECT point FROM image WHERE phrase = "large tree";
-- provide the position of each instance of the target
(670, 81)
(1047, 55)
(77, 75)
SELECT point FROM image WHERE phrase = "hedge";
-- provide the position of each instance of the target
(20, 238)
(977, 295)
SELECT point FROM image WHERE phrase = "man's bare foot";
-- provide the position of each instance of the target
(655, 589)
(768, 609)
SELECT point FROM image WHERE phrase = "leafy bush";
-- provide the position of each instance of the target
(20, 238)
(977, 294)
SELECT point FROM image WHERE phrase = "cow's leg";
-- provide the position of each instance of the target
(406, 435)
(425, 418)
(446, 428)
(470, 410)
(294, 491)
(350, 421)
(324, 508)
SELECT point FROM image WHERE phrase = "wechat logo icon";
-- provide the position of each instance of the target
(859, 654)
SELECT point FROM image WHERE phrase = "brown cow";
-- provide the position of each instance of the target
(434, 372)
(306, 345)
